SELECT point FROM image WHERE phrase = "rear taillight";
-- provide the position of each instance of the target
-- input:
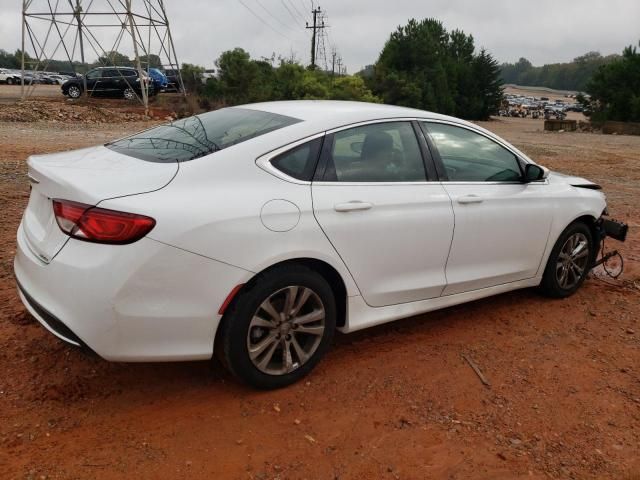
(93, 224)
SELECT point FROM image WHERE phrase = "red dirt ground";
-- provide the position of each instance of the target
(397, 401)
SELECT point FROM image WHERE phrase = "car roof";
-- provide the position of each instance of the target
(323, 115)
(327, 114)
(113, 66)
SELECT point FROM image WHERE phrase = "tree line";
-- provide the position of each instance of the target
(422, 65)
(572, 75)
(614, 89)
(14, 62)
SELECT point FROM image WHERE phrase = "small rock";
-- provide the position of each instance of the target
(501, 456)
(516, 441)
(630, 331)
(276, 407)
(239, 441)
(310, 439)
(188, 463)
(296, 421)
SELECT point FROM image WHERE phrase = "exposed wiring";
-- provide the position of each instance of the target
(616, 254)
(612, 272)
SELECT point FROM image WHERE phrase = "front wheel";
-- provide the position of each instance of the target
(278, 329)
(74, 92)
(9, 81)
(569, 262)
(129, 94)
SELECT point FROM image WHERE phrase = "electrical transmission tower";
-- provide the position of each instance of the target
(75, 29)
(321, 53)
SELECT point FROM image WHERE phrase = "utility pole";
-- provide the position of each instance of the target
(315, 28)
(78, 10)
(333, 62)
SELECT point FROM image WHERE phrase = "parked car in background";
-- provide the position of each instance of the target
(109, 82)
(45, 79)
(9, 77)
(159, 79)
(173, 80)
(58, 79)
(259, 230)
(576, 107)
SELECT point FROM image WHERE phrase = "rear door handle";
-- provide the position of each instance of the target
(352, 206)
(470, 199)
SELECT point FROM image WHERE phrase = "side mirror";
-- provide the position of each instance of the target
(533, 173)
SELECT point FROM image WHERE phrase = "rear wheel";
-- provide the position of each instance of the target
(9, 81)
(569, 262)
(277, 330)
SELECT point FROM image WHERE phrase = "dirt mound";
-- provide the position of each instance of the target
(38, 110)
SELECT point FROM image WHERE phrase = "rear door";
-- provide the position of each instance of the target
(110, 82)
(94, 79)
(128, 79)
(501, 224)
(390, 223)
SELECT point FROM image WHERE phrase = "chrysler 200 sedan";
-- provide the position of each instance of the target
(257, 231)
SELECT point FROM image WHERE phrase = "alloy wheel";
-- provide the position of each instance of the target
(572, 261)
(129, 94)
(286, 330)
(74, 92)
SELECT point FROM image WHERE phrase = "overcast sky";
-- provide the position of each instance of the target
(544, 31)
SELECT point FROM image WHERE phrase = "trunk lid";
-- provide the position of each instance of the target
(89, 176)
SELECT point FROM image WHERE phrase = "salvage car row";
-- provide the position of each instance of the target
(101, 81)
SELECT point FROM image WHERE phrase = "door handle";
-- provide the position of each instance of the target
(465, 199)
(352, 206)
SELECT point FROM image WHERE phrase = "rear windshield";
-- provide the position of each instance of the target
(200, 135)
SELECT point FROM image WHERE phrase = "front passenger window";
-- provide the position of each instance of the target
(470, 157)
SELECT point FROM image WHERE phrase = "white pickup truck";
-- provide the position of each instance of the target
(9, 77)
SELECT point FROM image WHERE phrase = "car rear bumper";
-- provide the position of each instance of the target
(147, 301)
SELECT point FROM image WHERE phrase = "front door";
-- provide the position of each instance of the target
(501, 224)
(390, 225)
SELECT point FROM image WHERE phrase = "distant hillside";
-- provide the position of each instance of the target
(562, 76)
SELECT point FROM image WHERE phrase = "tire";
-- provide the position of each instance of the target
(9, 81)
(129, 94)
(253, 342)
(565, 271)
(74, 92)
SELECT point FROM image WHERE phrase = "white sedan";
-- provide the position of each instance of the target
(262, 229)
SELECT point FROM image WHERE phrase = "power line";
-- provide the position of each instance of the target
(264, 21)
(290, 11)
(301, 15)
(273, 16)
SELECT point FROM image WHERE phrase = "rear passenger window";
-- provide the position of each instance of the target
(127, 73)
(299, 162)
(379, 152)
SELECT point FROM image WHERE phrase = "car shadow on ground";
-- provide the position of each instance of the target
(69, 375)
